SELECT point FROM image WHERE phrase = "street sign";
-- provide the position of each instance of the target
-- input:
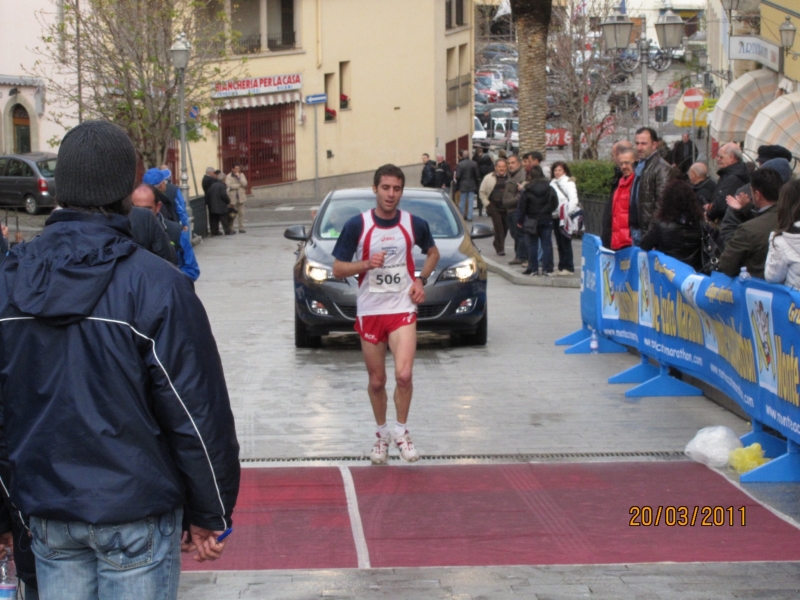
(693, 98)
(194, 112)
(317, 99)
(709, 104)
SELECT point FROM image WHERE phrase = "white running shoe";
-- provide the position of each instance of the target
(380, 451)
(407, 451)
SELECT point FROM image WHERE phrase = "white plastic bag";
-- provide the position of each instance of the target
(712, 445)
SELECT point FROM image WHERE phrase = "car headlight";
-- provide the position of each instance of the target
(466, 270)
(318, 272)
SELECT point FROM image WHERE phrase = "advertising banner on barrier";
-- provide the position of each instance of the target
(743, 338)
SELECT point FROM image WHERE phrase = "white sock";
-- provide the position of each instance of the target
(399, 429)
(383, 430)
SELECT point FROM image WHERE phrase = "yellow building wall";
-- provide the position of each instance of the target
(397, 90)
(771, 20)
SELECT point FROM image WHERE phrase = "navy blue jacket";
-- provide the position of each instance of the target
(114, 404)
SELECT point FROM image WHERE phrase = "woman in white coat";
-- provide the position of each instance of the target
(568, 198)
(783, 259)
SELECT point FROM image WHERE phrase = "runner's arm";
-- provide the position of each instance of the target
(343, 269)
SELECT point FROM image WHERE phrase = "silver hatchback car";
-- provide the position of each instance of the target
(28, 181)
(455, 297)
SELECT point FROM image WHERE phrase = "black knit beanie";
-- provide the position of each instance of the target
(96, 165)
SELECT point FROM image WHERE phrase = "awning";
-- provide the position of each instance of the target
(778, 123)
(262, 100)
(740, 103)
(683, 116)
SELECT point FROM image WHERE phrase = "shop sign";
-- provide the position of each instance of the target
(258, 85)
(751, 47)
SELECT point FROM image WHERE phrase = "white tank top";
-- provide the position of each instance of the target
(384, 291)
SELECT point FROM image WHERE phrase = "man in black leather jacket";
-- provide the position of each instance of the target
(652, 175)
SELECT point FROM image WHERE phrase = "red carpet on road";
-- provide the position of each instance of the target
(498, 514)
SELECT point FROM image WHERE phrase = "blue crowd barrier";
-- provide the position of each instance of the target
(739, 337)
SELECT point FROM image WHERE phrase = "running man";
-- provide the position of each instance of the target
(388, 295)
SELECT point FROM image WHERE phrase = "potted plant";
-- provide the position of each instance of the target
(330, 114)
(344, 101)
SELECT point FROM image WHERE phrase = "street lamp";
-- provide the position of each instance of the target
(669, 29)
(617, 29)
(788, 31)
(180, 60)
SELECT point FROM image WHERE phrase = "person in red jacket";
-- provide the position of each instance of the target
(620, 235)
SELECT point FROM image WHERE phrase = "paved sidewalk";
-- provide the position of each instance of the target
(519, 396)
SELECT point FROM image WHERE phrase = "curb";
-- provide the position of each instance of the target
(517, 278)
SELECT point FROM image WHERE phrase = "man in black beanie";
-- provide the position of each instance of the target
(116, 423)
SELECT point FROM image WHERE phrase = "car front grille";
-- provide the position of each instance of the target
(348, 311)
(424, 311)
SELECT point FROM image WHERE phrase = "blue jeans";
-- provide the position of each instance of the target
(636, 236)
(130, 561)
(520, 247)
(544, 236)
(468, 198)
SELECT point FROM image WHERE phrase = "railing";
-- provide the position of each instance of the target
(247, 44)
(199, 215)
(453, 86)
(465, 90)
(282, 41)
(593, 207)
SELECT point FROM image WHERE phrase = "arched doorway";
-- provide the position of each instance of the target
(22, 129)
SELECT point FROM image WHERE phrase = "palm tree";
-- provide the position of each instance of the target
(532, 20)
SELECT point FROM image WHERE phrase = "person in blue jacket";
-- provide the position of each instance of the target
(115, 422)
(176, 211)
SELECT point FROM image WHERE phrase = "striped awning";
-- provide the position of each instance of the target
(741, 102)
(262, 100)
(778, 123)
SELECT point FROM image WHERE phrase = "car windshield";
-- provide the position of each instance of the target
(47, 167)
(440, 217)
(484, 80)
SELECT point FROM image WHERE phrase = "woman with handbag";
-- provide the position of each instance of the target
(567, 194)
(536, 205)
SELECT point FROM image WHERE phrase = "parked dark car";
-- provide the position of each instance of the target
(455, 297)
(28, 181)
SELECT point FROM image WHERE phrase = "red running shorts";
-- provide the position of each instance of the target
(376, 328)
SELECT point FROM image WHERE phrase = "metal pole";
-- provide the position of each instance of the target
(78, 58)
(184, 175)
(644, 54)
(316, 153)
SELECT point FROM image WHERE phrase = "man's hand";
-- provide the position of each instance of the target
(417, 292)
(376, 260)
(739, 201)
(4, 230)
(6, 544)
(204, 541)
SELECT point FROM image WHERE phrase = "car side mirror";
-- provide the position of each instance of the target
(480, 231)
(296, 232)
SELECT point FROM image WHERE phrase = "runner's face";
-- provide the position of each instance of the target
(388, 193)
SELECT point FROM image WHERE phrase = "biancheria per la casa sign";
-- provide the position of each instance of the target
(258, 85)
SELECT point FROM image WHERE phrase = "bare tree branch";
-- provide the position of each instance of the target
(126, 70)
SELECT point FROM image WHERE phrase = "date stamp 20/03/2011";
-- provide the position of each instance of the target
(687, 516)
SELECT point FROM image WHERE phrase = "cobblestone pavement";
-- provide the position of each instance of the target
(518, 395)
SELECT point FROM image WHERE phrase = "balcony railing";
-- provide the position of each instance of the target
(453, 86)
(247, 44)
(284, 40)
(465, 90)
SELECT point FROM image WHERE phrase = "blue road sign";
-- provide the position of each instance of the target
(194, 112)
(317, 99)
